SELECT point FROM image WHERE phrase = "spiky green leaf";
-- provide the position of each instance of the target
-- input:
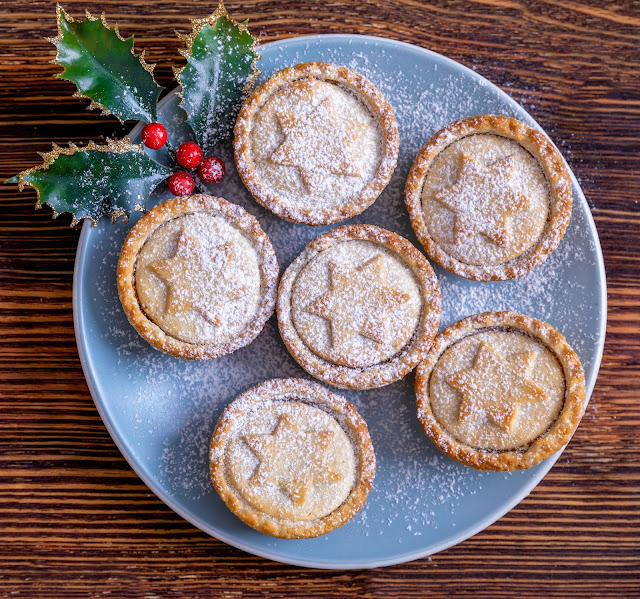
(94, 181)
(220, 71)
(105, 69)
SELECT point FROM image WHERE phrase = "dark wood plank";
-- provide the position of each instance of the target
(75, 521)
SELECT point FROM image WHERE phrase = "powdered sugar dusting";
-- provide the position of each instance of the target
(486, 199)
(315, 144)
(198, 278)
(165, 409)
(291, 460)
(340, 296)
(506, 402)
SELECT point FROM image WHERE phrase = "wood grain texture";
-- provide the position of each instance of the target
(75, 521)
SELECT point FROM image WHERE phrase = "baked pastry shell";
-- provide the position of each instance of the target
(377, 375)
(137, 237)
(364, 89)
(315, 395)
(552, 165)
(554, 438)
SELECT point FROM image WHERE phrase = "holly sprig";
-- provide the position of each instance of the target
(114, 179)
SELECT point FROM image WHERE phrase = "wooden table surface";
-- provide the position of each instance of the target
(75, 520)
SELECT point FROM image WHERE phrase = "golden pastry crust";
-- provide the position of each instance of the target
(295, 391)
(361, 88)
(559, 431)
(555, 172)
(166, 212)
(390, 368)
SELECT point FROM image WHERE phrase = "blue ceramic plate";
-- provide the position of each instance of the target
(161, 411)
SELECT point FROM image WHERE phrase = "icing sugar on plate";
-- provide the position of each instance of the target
(161, 411)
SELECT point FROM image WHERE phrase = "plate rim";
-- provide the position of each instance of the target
(78, 322)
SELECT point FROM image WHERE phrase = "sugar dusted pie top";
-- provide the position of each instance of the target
(316, 143)
(359, 307)
(500, 391)
(197, 277)
(485, 199)
(356, 304)
(292, 459)
(489, 197)
(497, 390)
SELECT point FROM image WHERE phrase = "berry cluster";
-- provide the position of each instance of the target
(188, 155)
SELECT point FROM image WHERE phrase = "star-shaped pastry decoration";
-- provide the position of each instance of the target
(359, 302)
(496, 386)
(316, 142)
(483, 200)
(195, 277)
(292, 459)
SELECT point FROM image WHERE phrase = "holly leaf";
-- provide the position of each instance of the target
(105, 69)
(94, 181)
(220, 71)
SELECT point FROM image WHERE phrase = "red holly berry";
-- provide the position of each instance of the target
(189, 155)
(181, 184)
(211, 170)
(154, 136)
